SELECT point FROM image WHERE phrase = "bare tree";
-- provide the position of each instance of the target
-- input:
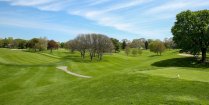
(94, 43)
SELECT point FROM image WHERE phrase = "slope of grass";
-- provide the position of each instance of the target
(17, 57)
(117, 80)
(192, 75)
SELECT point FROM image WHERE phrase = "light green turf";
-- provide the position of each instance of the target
(32, 79)
(18, 57)
(192, 75)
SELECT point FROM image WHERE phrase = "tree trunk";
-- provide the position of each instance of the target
(91, 56)
(204, 50)
(51, 50)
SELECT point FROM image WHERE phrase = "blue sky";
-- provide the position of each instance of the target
(64, 19)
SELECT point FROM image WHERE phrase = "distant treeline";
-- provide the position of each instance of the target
(94, 44)
(35, 44)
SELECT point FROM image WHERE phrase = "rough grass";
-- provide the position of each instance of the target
(32, 79)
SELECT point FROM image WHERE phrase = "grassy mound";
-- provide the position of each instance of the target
(117, 80)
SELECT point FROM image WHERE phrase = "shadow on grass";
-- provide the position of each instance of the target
(154, 55)
(180, 62)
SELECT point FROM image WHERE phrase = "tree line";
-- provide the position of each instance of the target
(35, 44)
(157, 46)
(95, 45)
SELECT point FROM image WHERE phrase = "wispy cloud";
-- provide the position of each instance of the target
(42, 26)
(97, 2)
(102, 17)
(133, 16)
(176, 5)
(29, 3)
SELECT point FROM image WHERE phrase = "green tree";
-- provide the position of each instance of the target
(19, 43)
(124, 44)
(139, 51)
(146, 44)
(42, 44)
(32, 44)
(157, 47)
(62, 45)
(52, 45)
(134, 51)
(127, 50)
(1, 42)
(191, 31)
(116, 44)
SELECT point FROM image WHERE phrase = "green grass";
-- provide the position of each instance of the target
(32, 79)
(192, 75)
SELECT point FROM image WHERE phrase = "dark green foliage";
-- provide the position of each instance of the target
(32, 44)
(116, 44)
(62, 45)
(191, 31)
(146, 44)
(19, 43)
(124, 44)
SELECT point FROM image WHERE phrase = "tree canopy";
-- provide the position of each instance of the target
(157, 47)
(116, 44)
(191, 31)
(52, 45)
(95, 44)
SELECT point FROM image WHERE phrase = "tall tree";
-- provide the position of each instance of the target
(116, 44)
(124, 44)
(94, 43)
(32, 44)
(127, 50)
(169, 43)
(42, 44)
(137, 43)
(191, 31)
(146, 44)
(62, 45)
(52, 45)
(71, 45)
(1, 42)
(19, 43)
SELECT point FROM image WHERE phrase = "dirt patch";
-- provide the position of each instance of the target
(64, 68)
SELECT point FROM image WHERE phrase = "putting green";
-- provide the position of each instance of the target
(186, 74)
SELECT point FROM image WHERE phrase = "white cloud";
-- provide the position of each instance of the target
(53, 6)
(29, 3)
(42, 26)
(97, 2)
(176, 5)
(102, 17)
(105, 12)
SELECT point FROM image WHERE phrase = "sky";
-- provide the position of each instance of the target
(63, 20)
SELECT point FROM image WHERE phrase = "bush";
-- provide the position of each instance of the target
(157, 47)
(127, 50)
(134, 51)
